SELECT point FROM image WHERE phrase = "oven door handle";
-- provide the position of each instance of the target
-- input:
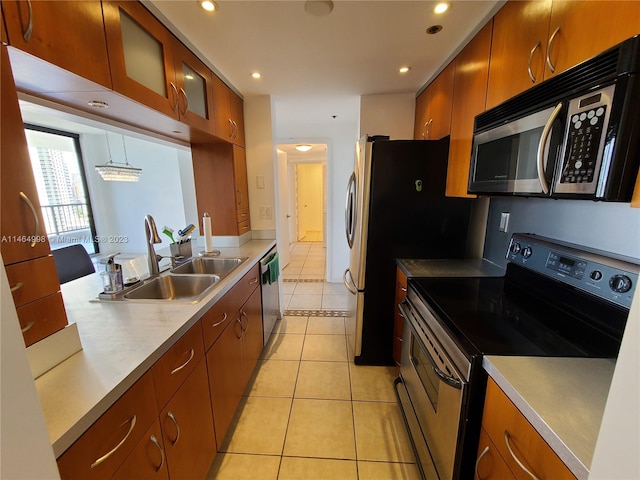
(449, 380)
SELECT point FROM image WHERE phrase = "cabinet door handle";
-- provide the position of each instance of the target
(550, 64)
(235, 129)
(230, 128)
(239, 322)
(132, 421)
(244, 314)
(177, 369)
(429, 128)
(186, 101)
(253, 281)
(484, 452)
(224, 317)
(535, 47)
(404, 289)
(26, 200)
(27, 327)
(175, 422)
(26, 33)
(176, 96)
(507, 436)
(157, 444)
(241, 196)
(17, 286)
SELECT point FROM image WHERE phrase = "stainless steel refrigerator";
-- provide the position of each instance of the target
(395, 208)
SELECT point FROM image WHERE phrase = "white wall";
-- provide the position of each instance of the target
(261, 158)
(120, 207)
(25, 450)
(390, 114)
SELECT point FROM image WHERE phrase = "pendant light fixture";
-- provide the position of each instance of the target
(122, 172)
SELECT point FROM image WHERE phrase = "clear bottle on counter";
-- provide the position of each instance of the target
(112, 276)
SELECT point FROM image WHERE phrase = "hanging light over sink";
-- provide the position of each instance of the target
(116, 171)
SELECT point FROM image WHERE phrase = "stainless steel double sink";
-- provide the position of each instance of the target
(186, 283)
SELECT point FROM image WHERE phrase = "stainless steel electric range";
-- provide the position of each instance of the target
(555, 299)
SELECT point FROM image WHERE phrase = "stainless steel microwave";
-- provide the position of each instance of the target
(576, 135)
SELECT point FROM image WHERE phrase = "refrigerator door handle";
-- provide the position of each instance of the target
(350, 210)
(349, 283)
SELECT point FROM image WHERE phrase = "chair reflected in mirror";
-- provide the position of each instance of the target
(72, 262)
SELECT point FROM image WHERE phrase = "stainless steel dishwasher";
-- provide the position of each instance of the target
(269, 278)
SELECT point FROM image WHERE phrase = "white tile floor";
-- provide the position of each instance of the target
(307, 261)
(309, 413)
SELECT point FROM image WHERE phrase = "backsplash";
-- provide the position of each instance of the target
(612, 227)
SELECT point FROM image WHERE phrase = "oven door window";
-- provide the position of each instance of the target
(430, 381)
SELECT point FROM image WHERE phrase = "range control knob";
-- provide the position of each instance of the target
(596, 275)
(527, 252)
(515, 248)
(620, 283)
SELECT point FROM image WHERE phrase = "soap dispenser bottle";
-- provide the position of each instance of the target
(112, 276)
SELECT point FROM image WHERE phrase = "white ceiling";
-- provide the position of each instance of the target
(318, 62)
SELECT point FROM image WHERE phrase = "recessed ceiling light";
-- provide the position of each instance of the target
(209, 5)
(98, 104)
(303, 148)
(441, 7)
(404, 69)
(318, 8)
(256, 75)
(432, 30)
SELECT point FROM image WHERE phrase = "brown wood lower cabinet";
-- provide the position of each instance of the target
(398, 321)
(490, 465)
(187, 428)
(515, 438)
(148, 459)
(226, 379)
(171, 422)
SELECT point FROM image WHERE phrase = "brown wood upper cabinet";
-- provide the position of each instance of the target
(229, 115)
(24, 242)
(534, 40)
(469, 94)
(149, 65)
(433, 107)
(69, 34)
(220, 175)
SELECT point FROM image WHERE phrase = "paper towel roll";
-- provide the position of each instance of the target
(206, 230)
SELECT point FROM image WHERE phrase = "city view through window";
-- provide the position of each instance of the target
(57, 167)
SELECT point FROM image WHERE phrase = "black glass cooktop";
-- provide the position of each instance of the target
(523, 313)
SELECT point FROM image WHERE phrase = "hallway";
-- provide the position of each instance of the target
(309, 412)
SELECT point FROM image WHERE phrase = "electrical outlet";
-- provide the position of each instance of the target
(265, 212)
(504, 222)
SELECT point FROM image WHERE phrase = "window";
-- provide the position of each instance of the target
(57, 165)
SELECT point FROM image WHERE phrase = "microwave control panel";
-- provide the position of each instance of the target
(608, 278)
(586, 127)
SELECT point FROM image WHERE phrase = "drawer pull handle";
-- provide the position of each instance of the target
(175, 422)
(157, 444)
(535, 47)
(484, 452)
(253, 281)
(244, 315)
(507, 436)
(108, 454)
(177, 369)
(28, 327)
(403, 289)
(17, 286)
(26, 200)
(224, 317)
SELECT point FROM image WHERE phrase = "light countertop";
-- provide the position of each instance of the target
(121, 341)
(468, 267)
(563, 398)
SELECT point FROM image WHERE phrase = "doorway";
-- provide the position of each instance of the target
(302, 184)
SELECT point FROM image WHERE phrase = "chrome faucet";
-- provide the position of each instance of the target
(151, 233)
